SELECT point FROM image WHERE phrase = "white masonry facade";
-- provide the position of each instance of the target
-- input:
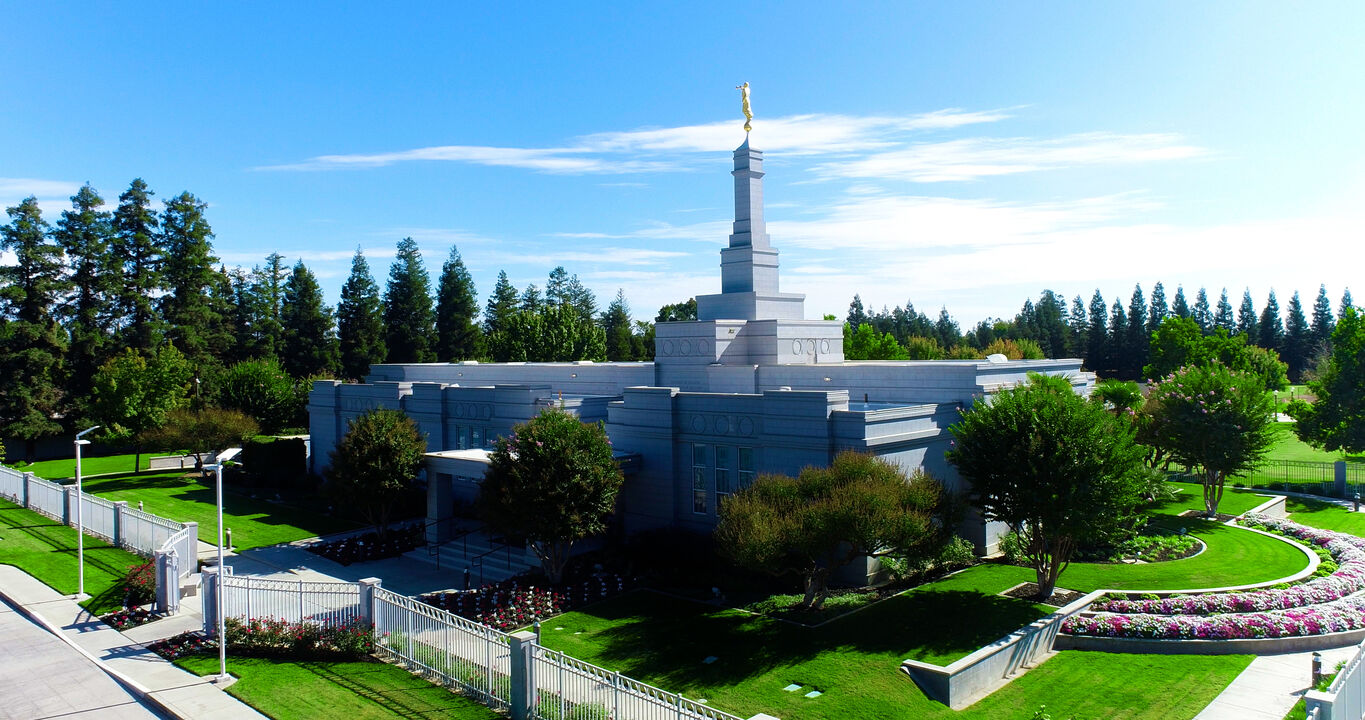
(749, 387)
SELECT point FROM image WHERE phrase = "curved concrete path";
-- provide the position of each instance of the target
(1271, 684)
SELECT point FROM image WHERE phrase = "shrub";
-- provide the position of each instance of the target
(139, 585)
(1013, 546)
(273, 636)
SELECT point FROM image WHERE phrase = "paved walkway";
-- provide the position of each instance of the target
(176, 692)
(1271, 684)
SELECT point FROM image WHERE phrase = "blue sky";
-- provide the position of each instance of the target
(958, 154)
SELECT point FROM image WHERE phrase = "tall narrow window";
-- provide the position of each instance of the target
(476, 437)
(699, 478)
(464, 437)
(746, 467)
(725, 468)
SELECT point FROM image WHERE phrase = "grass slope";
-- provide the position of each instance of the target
(1288, 446)
(46, 549)
(66, 468)
(1325, 515)
(354, 690)
(183, 496)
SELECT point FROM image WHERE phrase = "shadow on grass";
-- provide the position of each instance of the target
(99, 556)
(384, 692)
(673, 636)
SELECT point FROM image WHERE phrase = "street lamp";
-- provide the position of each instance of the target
(217, 467)
(80, 524)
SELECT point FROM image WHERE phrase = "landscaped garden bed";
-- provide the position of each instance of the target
(513, 604)
(128, 618)
(369, 546)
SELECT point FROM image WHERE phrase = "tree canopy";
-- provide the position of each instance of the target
(207, 431)
(1336, 419)
(135, 393)
(376, 462)
(554, 482)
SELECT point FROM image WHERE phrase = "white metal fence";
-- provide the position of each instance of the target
(12, 484)
(325, 603)
(143, 532)
(1344, 699)
(444, 648)
(568, 687)
(47, 498)
(99, 517)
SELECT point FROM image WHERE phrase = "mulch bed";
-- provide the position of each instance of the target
(1061, 597)
(1222, 517)
(362, 548)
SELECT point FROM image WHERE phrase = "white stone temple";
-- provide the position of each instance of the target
(749, 387)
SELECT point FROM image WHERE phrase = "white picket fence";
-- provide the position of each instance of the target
(1345, 698)
(506, 672)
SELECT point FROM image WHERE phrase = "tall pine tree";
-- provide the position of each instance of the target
(189, 279)
(1097, 335)
(310, 345)
(1323, 323)
(1115, 365)
(409, 322)
(502, 305)
(1135, 344)
(32, 345)
(616, 325)
(266, 304)
(137, 250)
(1222, 316)
(457, 333)
(530, 298)
(1247, 324)
(1159, 310)
(1179, 307)
(1271, 325)
(1202, 314)
(360, 321)
(1298, 339)
(1076, 325)
(1346, 302)
(84, 233)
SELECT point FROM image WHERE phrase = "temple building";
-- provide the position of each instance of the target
(749, 387)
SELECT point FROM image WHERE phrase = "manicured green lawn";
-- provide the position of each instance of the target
(1325, 515)
(337, 689)
(66, 468)
(1288, 446)
(183, 496)
(854, 660)
(46, 549)
(1191, 497)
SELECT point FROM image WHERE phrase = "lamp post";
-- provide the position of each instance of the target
(218, 593)
(80, 520)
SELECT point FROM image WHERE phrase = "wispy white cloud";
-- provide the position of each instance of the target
(14, 189)
(631, 256)
(974, 158)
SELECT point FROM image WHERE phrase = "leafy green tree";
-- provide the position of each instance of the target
(408, 318)
(1213, 420)
(1159, 310)
(1060, 471)
(263, 390)
(457, 332)
(620, 341)
(310, 344)
(135, 393)
(678, 311)
(825, 518)
(1336, 419)
(554, 482)
(866, 343)
(1119, 396)
(32, 345)
(923, 348)
(376, 463)
(1271, 326)
(1323, 323)
(555, 334)
(502, 305)
(137, 251)
(1097, 336)
(189, 278)
(1298, 339)
(1222, 316)
(1246, 318)
(1178, 343)
(84, 233)
(207, 431)
(360, 321)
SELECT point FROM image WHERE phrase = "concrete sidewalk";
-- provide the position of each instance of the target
(148, 676)
(1270, 686)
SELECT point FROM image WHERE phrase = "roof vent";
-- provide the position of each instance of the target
(997, 358)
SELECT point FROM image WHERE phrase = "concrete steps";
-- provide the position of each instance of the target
(479, 554)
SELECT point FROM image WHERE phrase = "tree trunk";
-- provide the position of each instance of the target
(137, 458)
(1213, 493)
(816, 589)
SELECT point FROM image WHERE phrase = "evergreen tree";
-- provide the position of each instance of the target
(1049, 324)
(1179, 307)
(1271, 326)
(408, 318)
(582, 300)
(1076, 328)
(949, 334)
(616, 324)
(457, 332)
(310, 345)
(1323, 322)
(502, 304)
(1246, 318)
(1159, 310)
(1116, 362)
(530, 299)
(1203, 316)
(1097, 335)
(1222, 317)
(222, 330)
(84, 233)
(139, 257)
(32, 345)
(1346, 302)
(678, 312)
(1298, 339)
(360, 321)
(243, 317)
(266, 301)
(189, 278)
(856, 314)
(1135, 340)
(557, 288)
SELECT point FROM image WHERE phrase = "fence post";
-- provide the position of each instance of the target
(167, 581)
(367, 586)
(68, 504)
(28, 478)
(211, 574)
(522, 691)
(119, 507)
(1339, 475)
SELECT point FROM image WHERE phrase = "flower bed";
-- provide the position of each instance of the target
(128, 618)
(1319, 606)
(507, 606)
(360, 548)
(273, 637)
(188, 643)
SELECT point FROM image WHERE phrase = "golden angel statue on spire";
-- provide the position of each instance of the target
(748, 112)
